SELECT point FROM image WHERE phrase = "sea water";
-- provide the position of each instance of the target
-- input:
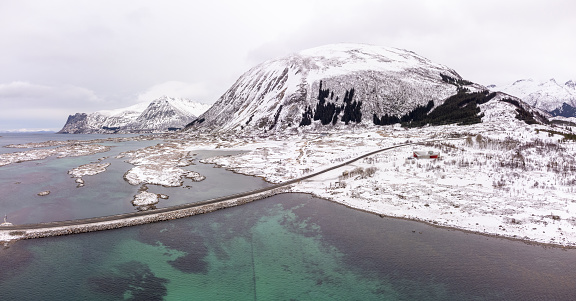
(103, 194)
(287, 247)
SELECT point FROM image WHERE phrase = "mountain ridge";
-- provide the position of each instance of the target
(550, 96)
(340, 85)
(160, 115)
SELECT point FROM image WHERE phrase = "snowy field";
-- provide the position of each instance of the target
(511, 180)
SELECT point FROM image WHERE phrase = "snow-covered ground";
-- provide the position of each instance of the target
(517, 182)
(501, 177)
(160, 164)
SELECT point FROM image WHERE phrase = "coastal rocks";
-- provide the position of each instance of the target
(87, 170)
(145, 200)
(155, 174)
(62, 149)
(160, 164)
(51, 143)
(80, 182)
(72, 150)
(196, 177)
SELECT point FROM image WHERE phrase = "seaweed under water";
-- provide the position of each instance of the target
(131, 280)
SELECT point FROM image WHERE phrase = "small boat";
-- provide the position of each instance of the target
(426, 154)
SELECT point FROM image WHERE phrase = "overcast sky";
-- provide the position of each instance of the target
(62, 57)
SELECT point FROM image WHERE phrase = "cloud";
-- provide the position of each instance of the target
(25, 104)
(488, 42)
(24, 94)
(178, 89)
(64, 53)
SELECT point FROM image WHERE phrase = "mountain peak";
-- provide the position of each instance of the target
(349, 82)
(523, 81)
(161, 114)
(546, 95)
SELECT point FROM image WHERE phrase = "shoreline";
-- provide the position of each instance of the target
(435, 225)
(468, 189)
(486, 234)
(305, 184)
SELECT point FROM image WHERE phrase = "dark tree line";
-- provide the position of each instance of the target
(328, 112)
(306, 117)
(419, 113)
(199, 120)
(385, 120)
(521, 113)
(455, 81)
(276, 116)
(461, 108)
(352, 111)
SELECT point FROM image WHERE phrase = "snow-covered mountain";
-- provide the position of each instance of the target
(160, 115)
(550, 96)
(333, 85)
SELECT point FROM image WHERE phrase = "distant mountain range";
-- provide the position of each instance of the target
(335, 86)
(550, 96)
(161, 115)
(350, 84)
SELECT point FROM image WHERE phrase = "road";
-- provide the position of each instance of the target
(176, 208)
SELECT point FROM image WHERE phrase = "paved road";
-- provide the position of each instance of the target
(87, 221)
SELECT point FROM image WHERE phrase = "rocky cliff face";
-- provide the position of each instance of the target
(333, 85)
(161, 115)
(75, 123)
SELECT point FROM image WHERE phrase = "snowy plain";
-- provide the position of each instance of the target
(512, 180)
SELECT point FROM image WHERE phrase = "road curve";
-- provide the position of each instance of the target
(167, 213)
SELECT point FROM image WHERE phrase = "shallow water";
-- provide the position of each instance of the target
(287, 247)
(20, 184)
(106, 193)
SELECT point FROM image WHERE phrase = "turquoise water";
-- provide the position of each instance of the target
(287, 247)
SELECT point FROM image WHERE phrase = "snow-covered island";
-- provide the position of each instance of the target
(145, 200)
(68, 150)
(161, 165)
(87, 170)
